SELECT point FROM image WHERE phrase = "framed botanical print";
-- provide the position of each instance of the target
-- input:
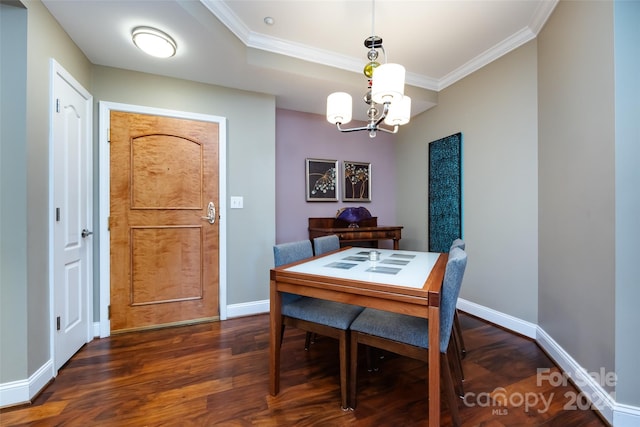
(357, 181)
(322, 180)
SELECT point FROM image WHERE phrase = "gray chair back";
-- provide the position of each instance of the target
(458, 243)
(325, 244)
(451, 284)
(285, 253)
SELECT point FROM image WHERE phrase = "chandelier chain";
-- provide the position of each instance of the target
(373, 18)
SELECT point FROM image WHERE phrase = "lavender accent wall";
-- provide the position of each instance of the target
(303, 135)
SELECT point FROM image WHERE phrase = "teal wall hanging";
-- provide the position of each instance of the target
(445, 192)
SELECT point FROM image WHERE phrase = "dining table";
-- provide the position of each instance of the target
(399, 281)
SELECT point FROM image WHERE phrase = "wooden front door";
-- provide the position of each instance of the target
(164, 246)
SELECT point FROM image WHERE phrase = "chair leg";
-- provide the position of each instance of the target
(353, 370)
(344, 345)
(460, 350)
(456, 363)
(310, 338)
(372, 358)
(447, 383)
(307, 341)
(281, 334)
(458, 334)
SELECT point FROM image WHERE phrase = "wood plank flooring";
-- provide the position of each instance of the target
(217, 374)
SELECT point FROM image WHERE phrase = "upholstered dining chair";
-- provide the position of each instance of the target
(409, 335)
(321, 245)
(313, 315)
(324, 244)
(457, 330)
(458, 243)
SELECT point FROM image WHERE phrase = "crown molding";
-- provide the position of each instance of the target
(256, 40)
(228, 18)
(542, 13)
(488, 56)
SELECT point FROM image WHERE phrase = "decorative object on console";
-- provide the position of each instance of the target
(321, 180)
(357, 181)
(385, 92)
(353, 215)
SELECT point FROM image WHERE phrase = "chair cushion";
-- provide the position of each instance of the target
(288, 298)
(393, 326)
(334, 314)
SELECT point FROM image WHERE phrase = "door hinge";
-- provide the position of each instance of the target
(57, 214)
(109, 312)
(109, 223)
(108, 134)
(58, 323)
(57, 105)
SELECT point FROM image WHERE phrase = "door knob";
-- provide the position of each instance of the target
(86, 233)
(211, 213)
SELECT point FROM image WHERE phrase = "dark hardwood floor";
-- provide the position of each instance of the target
(217, 374)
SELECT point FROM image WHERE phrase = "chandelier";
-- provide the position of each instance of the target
(385, 95)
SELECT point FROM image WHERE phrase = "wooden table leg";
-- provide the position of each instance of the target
(434, 366)
(275, 339)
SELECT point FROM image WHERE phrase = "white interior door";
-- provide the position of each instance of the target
(72, 242)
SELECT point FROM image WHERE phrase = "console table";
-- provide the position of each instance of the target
(366, 231)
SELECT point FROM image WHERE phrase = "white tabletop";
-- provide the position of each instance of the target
(400, 268)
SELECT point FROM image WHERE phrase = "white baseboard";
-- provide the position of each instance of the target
(586, 383)
(247, 308)
(22, 391)
(514, 324)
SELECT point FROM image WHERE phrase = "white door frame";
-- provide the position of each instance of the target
(104, 192)
(55, 70)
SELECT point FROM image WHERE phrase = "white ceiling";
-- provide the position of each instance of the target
(314, 47)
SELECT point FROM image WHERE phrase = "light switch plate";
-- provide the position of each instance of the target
(236, 202)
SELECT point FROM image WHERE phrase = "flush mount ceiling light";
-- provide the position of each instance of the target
(154, 42)
(385, 94)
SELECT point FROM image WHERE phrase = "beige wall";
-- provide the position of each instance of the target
(627, 64)
(539, 184)
(13, 192)
(577, 187)
(27, 350)
(495, 108)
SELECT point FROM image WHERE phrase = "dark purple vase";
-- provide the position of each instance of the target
(353, 215)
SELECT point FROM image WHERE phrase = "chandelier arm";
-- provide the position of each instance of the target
(372, 125)
(385, 111)
(351, 129)
(394, 130)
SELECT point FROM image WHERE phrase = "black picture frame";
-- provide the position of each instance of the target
(321, 180)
